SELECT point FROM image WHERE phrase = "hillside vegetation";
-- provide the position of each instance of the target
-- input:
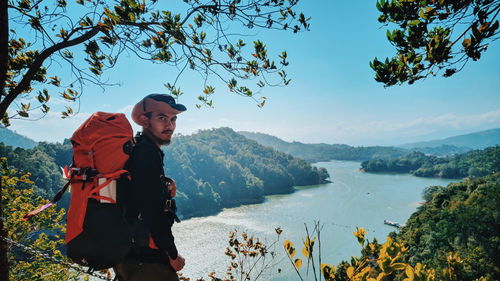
(441, 150)
(213, 169)
(462, 218)
(219, 168)
(475, 163)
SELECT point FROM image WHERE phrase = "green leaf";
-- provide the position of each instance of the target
(398, 266)
(111, 15)
(54, 80)
(45, 108)
(67, 54)
(414, 22)
(23, 114)
(389, 35)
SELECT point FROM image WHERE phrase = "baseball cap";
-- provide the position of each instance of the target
(155, 103)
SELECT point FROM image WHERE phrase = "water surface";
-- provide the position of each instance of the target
(353, 199)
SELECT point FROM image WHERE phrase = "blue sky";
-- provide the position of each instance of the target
(332, 98)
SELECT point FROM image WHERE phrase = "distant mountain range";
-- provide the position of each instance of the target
(325, 152)
(477, 140)
(14, 139)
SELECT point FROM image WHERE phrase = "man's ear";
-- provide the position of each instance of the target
(144, 121)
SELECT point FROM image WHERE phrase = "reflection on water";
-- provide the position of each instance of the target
(353, 199)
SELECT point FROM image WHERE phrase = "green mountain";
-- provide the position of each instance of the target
(462, 218)
(325, 152)
(14, 139)
(476, 163)
(213, 169)
(221, 168)
(442, 150)
(477, 140)
(42, 162)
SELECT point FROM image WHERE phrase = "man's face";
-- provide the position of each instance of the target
(161, 126)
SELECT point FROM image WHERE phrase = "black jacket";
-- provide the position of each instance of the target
(147, 197)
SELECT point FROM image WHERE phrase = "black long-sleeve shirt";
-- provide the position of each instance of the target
(149, 194)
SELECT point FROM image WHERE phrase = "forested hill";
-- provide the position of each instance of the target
(216, 168)
(462, 218)
(477, 140)
(14, 139)
(213, 169)
(475, 163)
(325, 152)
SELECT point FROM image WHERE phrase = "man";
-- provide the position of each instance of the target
(154, 254)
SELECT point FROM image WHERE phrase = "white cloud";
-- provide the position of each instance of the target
(127, 109)
(354, 131)
(53, 128)
(349, 130)
(442, 122)
(396, 131)
(50, 128)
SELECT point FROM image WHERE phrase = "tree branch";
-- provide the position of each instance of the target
(196, 9)
(30, 74)
(4, 56)
(476, 21)
(4, 47)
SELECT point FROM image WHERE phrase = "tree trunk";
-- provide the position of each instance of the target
(4, 55)
(4, 262)
(4, 46)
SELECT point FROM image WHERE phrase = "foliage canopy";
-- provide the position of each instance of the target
(88, 37)
(44, 233)
(434, 37)
(463, 218)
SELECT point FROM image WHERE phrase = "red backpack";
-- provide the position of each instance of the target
(97, 234)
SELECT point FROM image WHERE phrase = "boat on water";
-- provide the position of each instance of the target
(392, 223)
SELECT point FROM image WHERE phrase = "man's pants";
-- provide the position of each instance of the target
(134, 270)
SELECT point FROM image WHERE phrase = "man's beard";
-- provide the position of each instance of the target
(162, 141)
(159, 140)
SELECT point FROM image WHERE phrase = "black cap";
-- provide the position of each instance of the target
(166, 99)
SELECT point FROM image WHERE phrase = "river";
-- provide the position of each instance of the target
(353, 199)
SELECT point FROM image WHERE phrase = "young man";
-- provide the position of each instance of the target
(154, 254)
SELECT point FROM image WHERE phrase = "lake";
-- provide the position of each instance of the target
(353, 199)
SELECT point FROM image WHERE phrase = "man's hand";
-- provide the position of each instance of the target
(178, 263)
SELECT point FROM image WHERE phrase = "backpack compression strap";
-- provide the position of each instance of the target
(109, 178)
(58, 196)
(67, 175)
(54, 200)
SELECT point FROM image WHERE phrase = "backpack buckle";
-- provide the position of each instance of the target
(169, 203)
(87, 174)
(171, 207)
